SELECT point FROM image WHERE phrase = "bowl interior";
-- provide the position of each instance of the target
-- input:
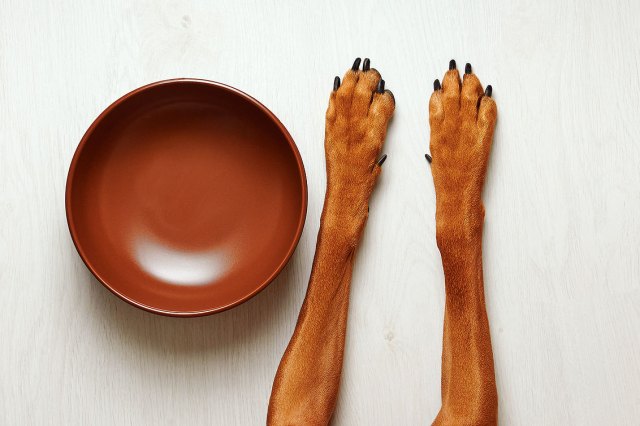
(186, 197)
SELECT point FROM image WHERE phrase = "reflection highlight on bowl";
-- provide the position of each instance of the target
(181, 267)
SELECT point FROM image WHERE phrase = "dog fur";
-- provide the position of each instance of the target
(306, 385)
(462, 121)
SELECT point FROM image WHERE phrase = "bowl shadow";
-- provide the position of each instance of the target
(263, 317)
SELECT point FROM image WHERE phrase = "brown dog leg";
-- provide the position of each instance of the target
(462, 118)
(305, 388)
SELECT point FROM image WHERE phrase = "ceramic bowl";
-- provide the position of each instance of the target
(186, 197)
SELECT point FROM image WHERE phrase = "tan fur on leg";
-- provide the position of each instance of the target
(306, 385)
(462, 121)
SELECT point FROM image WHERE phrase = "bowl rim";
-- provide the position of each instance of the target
(87, 136)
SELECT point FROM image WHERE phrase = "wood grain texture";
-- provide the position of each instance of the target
(562, 230)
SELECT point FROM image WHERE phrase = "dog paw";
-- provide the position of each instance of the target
(356, 125)
(462, 117)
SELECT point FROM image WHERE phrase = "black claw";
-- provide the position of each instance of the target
(452, 64)
(380, 88)
(436, 85)
(356, 64)
(336, 83)
(366, 65)
(428, 157)
(488, 91)
(382, 160)
(467, 68)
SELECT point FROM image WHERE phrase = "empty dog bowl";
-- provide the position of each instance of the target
(186, 197)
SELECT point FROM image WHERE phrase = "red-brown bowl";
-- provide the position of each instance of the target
(186, 197)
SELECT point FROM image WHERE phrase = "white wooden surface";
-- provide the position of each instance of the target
(562, 235)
